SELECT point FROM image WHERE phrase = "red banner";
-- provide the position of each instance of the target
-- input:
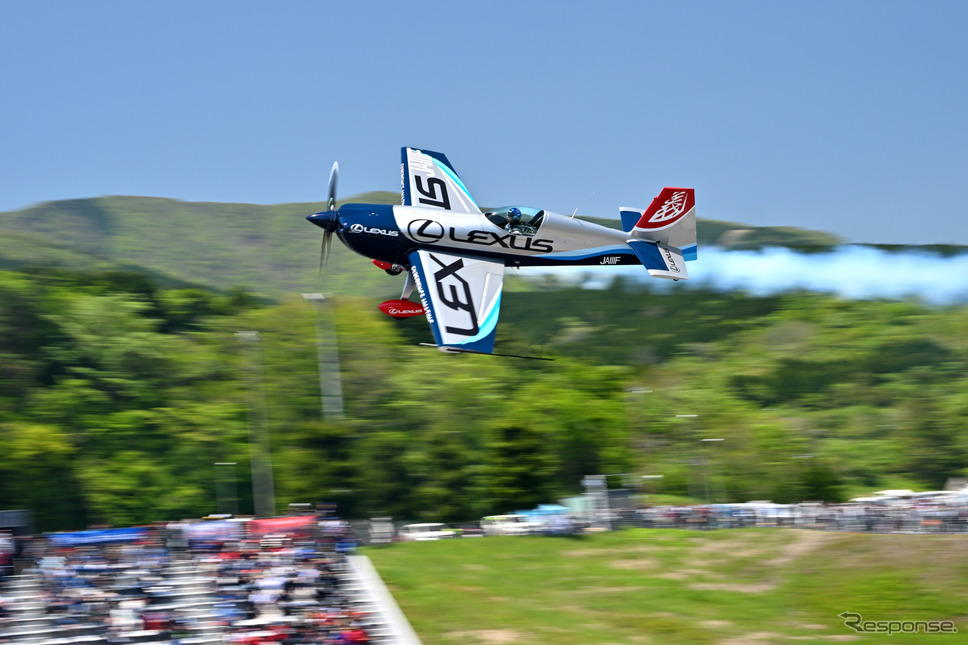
(295, 524)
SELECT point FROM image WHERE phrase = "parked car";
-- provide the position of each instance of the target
(507, 525)
(381, 530)
(470, 530)
(425, 531)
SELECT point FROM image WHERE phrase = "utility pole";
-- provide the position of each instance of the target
(263, 489)
(596, 493)
(688, 460)
(327, 357)
(705, 466)
(227, 499)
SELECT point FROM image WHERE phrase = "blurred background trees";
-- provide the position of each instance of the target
(123, 383)
(117, 397)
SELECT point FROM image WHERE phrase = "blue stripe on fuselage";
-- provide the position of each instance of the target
(583, 256)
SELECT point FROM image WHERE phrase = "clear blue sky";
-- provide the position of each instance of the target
(842, 116)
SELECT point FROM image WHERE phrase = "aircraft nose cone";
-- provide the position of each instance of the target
(325, 220)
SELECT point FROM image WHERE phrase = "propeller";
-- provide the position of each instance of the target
(327, 220)
(333, 179)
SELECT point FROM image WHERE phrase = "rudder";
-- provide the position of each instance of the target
(669, 220)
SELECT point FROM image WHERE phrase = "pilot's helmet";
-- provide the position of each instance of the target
(514, 215)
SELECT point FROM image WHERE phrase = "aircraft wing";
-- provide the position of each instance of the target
(430, 180)
(461, 296)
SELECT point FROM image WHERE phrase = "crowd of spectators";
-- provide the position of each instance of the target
(201, 583)
(164, 588)
(899, 516)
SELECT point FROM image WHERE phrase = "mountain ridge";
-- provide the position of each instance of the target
(267, 249)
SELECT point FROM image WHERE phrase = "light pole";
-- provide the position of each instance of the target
(596, 493)
(637, 444)
(652, 478)
(705, 465)
(263, 489)
(327, 356)
(802, 469)
(225, 489)
(688, 460)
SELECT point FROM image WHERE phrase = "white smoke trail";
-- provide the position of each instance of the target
(851, 272)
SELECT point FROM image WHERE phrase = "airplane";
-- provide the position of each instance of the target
(455, 254)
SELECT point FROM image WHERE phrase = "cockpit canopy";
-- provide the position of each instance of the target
(527, 224)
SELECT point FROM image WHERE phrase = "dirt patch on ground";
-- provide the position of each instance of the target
(738, 587)
(753, 638)
(685, 574)
(632, 564)
(763, 638)
(592, 591)
(486, 636)
(804, 543)
(584, 553)
(730, 545)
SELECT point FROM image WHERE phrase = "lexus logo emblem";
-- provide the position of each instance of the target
(425, 230)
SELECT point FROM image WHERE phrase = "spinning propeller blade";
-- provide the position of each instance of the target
(328, 221)
(324, 251)
(333, 179)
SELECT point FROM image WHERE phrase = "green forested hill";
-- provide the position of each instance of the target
(265, 249)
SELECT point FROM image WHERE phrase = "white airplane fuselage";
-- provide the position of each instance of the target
(390, 233)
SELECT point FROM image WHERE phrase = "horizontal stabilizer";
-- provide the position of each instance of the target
(661, 261)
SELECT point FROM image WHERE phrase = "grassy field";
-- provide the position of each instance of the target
(668, 586)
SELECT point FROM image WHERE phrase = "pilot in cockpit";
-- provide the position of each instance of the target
(514, 220)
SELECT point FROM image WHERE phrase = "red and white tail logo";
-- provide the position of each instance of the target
(669, 206)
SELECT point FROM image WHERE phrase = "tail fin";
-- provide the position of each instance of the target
(669, 221)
